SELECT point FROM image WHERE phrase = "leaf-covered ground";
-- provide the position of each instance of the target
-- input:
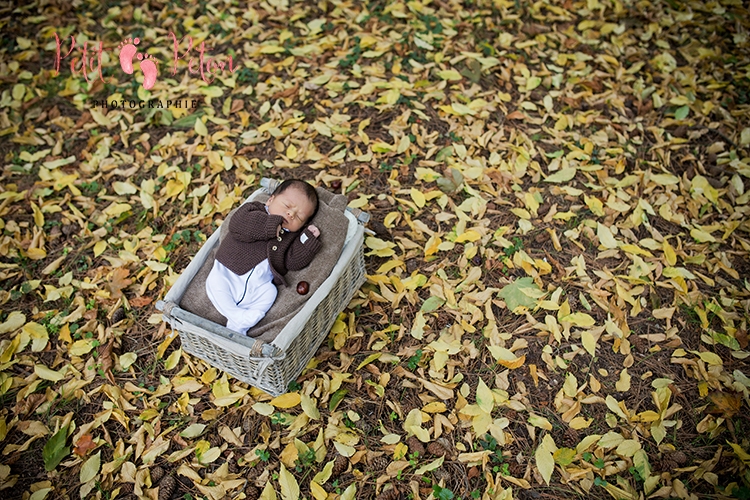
(557, 296)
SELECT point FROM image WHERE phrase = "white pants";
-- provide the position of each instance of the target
(243, 300)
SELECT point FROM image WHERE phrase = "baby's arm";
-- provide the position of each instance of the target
(303, 249)
(250, 223)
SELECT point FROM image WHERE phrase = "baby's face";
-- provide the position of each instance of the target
(293, 206)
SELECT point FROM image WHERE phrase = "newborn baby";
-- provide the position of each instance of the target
(264, 241)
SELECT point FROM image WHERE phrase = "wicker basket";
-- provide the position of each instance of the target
(269, 366)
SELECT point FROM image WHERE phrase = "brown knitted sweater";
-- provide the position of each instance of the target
(252, 238)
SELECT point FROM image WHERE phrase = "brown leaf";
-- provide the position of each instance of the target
(724, 404)
(140, 301)
(105, 358)
(516, 115)
(118, 281)
(741, 336)
(286, 93)
(237, 105)
(29, 404)
(84, 444)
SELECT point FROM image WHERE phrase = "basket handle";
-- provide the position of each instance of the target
(269, 185)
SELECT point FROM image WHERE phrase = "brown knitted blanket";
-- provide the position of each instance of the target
(332, 223)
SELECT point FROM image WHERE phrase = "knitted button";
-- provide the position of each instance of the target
(274, 247)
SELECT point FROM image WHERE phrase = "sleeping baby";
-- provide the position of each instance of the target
(264, 241)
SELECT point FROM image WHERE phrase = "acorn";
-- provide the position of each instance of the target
(303, 287)
(336, 184)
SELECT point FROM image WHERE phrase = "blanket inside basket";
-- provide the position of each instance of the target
(333, 226)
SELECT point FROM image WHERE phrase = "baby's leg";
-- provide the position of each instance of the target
(221, 291)
(255, 307)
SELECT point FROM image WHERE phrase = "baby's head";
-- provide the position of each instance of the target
(296, 201)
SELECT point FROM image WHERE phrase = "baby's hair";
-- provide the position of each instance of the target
(306, 189)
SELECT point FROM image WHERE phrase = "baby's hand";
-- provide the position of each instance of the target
(314, 230)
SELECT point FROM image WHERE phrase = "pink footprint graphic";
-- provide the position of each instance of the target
(127, 50)
(148, 66)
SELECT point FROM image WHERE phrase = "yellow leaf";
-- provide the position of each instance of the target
(449, 74)
(702, 236)
(38, 215)
(344, 449)
(229, 399)
(264, 409)
(175, 187)
(377, 244)
(461, 109)
(506, 358)
(635, 250)
(122, 188)
(561, 123)
(90, 468)
(418, 197)
(606, 238)
(432, 245)
(323, 476)
(349, 492)
(38, 334)
(589, 342)
(40, 494)
(268, 492)
(291, 152)
(623, 385)
(711, 358)
(485, 399)
(628, 447)
(200, 128)
(288, 400)
(469, 235)
(117, 209)
(173, 359)
(741, 454)
(541, 422)
(669, 253)
(700, 185)
(46, 373)
(429, 467)
(80, 347)
(390, 97)
(418, 325)
(309, 407)
(390, 439)
(579, 319)
(15, 320)
(99, 247)
(610, 440)
(403, 145)
(390, 219)
(545, 463)
(290, 454)
(317, 491)
(435, 407)
(580, 423)
(595, 204)
(36, 253)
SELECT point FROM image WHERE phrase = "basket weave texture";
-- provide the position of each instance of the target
(274, 378)
(270, 367)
